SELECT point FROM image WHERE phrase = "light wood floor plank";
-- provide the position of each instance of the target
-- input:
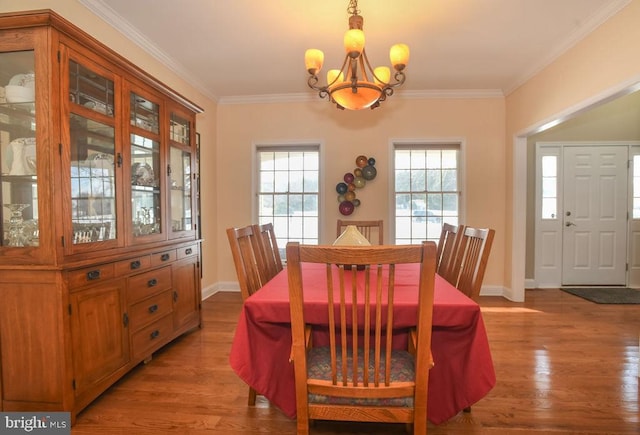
(563, 366)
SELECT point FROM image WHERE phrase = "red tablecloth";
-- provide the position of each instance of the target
(463, 371)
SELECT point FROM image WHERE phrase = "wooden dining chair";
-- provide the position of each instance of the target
(246, 253)
(450, 238)
(358, 375)
(471, 260)
(271, 262)
(371, 230)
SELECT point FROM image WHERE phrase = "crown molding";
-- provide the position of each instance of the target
(101, 9)
(408, 95)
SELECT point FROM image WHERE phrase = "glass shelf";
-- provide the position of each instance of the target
(18, 151)
(180, 197)
(145, 186)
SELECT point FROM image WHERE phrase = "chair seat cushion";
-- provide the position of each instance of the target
(402, 370)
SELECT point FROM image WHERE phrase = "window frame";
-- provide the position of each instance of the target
(315, 146)
(447, 144)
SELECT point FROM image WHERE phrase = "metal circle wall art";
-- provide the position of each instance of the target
(352, 181)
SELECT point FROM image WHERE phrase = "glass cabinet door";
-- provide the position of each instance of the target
(180, 190)
(146, 200)
(18, 170)
(181, 175)
(93, 151)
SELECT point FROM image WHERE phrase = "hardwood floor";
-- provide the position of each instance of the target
(563, 366)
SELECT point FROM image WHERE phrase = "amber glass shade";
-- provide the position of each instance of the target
(366, 95)
(313, 60)
(399, 55)
(332, 74)
(353, 42)
(382, 75)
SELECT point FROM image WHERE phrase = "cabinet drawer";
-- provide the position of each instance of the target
(91, 275)
(133, 265)
(151, 337)
(148, 284)
(149, 310)
(163, 257)
(187, 251)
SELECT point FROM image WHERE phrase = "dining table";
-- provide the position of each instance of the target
(463, 372)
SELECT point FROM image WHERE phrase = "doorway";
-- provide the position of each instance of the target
(582, 203)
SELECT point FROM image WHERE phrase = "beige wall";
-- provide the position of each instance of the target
(479, 123)
(206, 122)
(601, 62)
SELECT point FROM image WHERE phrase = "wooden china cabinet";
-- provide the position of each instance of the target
(99, 249)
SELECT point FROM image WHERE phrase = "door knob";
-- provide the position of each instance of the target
(568, 224)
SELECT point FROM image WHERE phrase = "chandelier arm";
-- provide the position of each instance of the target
(400, 78)
(346, 59)
(354, 75)
(322, 90)
(312, 81)
(366, 61)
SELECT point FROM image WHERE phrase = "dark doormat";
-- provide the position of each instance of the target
(606, 295)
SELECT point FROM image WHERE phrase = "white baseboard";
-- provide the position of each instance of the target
(211, 290)
(492, 291)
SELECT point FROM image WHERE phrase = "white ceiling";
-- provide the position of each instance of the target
(243, 49)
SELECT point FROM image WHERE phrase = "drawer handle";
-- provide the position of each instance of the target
(188, 251)
(165, 257)
(155, 334)
(153, 308)
(152, 282)
(135, 265)
(94, 274)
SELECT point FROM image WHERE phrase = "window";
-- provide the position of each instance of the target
(636, 186)
(288, 192)
(549, 187)
(426, 190)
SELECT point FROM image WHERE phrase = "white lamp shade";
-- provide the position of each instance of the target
(351, 237)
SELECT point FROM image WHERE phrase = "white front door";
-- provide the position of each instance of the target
(594, 237)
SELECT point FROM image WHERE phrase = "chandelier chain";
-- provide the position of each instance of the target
(352, 9)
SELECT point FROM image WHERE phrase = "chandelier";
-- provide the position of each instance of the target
(356, 85)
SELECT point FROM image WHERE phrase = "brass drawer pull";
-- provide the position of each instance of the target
(152, 282)
(94, 274)
(165, 257)
(153, 308)
(155, 334)
(135, 265)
